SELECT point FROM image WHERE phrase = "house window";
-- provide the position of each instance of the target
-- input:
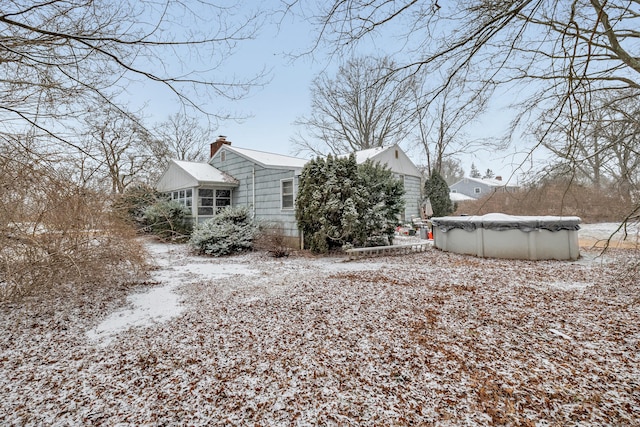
(286, 191)
(183, 197)
(223, 198)
(477, 190)
(210, 200)
(396, 154)
(223, 156)
(205, 201)
(454, 191)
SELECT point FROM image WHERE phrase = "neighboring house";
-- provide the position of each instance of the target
(478, 188)
(459, 197)
(266, 183)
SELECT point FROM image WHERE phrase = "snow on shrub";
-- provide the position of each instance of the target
(230, 231)
(343, 204)
(133, 202)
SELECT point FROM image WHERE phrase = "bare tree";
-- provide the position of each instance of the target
(550, 57)
(118, 148)
(563, 52)
(363, 106)
(58, 56)
(442, 119)
(182, 137)
(604, 149)
(450, 169)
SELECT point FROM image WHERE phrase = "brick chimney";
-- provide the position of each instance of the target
(498, 178)
(215, 146)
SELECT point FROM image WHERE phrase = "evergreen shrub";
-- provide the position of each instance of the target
(230, 231)
(342, 204)
(131, 204)
(168, 220)
(437, 191)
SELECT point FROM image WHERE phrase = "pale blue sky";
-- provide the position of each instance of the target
(274, 107)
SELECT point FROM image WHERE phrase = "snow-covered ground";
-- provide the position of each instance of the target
(424, 339)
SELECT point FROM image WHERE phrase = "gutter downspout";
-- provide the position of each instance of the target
(253, 191)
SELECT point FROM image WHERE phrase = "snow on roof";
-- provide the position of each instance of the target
(459, 197)
(270, 159)
(492, 182)
(204, 172)
(364, 155)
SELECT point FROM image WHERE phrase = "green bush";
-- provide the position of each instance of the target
(132, 204)
(437, 191)
(342, 204)
(168, 220)
(230, 231)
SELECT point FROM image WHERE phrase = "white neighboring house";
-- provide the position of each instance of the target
(477, 188)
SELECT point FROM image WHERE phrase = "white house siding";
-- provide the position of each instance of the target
(175, 179)
(264, 202)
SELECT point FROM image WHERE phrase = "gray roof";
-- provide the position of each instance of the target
(269, 160)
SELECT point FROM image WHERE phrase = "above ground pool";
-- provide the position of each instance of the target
(498, 235)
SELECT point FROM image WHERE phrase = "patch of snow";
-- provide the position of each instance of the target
(569, 286)
(560, 334)
(162, 303)
(153, 306)
(603, 231)
(429, 338)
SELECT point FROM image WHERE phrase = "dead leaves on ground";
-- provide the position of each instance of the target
(427, 339)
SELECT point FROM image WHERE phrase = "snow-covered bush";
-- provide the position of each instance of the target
(343, 204)
(168, 220)
(230, 231)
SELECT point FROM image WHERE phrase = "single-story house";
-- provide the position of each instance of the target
(477, 188)
(266, 183)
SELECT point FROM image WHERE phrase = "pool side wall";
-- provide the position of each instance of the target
(510, 244)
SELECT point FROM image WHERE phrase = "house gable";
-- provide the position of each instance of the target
(393, 156)
(265, 179)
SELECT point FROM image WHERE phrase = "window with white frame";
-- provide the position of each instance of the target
(477, 190)
(205, 201)
(286, 192)
(184, 197)
(210, 201)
